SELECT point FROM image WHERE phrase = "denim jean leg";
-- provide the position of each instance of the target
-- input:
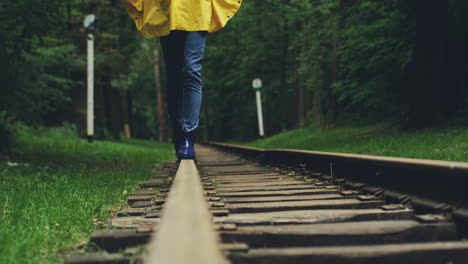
(194, 47)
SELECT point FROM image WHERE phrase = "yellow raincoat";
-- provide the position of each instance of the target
(159, 17)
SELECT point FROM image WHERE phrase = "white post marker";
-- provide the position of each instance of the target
(90, 92)
(257, 86)
(88, 24)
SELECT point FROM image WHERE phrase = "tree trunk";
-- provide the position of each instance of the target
(317, 113)
(125, 114)
(113, 109)
(424, 85)
(454, 77)
(283, 67)
(332, 111)
(299, 91)
(161, 102)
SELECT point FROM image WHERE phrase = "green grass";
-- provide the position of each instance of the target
(55, 189)
(378, 139)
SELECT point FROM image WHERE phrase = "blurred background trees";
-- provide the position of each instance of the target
(328, 60)
(43, 66)
(321, 61)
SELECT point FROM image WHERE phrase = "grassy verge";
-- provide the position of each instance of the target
(55, 189)
(379, 139)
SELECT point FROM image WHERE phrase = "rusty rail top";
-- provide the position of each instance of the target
(448, 166)
(186, 233)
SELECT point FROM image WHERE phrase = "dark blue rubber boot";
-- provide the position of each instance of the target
(186, 148)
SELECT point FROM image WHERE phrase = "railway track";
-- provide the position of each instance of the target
(260, 207)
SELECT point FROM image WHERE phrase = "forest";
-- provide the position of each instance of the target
(321, 62)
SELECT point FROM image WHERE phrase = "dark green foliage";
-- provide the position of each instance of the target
(375, 50)
(33, 61)
(325, 60)
(43, 66)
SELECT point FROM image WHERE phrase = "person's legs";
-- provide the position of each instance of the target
(183, 54)
(194, 47)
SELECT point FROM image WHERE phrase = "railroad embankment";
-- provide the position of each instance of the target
(450, 143)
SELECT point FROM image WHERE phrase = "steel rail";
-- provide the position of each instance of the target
(421, 164)
(186, 233)
(429, 182)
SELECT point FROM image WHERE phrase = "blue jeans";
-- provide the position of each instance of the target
(183, 55)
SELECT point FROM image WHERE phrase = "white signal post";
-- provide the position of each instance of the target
(90, 104)
(88, 24)
(257, 86)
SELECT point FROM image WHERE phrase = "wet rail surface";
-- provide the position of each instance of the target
(271, 214)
